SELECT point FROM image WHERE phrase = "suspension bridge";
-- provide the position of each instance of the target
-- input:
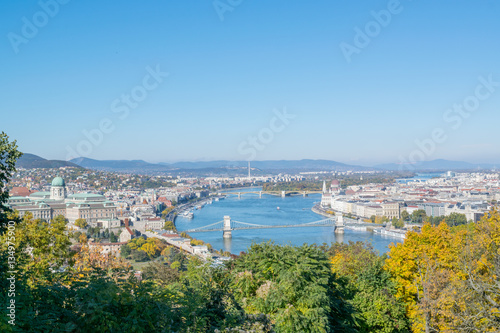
(272, 193)
(227, 226)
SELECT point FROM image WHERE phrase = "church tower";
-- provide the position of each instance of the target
(58, 189)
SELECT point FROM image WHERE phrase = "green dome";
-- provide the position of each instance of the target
(58, 181)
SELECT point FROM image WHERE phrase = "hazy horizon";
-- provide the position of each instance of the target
(158, 161)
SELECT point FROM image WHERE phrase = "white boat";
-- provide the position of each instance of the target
(278, 208)
(392, 233)
(187, 215)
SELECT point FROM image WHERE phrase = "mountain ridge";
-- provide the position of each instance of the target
(31, 161)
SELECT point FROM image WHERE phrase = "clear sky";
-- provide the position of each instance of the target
(233, 65)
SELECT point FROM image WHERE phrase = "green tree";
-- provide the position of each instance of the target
(169, 225)
(166, 211)
(294, 285)
(455, 219)
(139, 256)
(175, 265)
(418, 216)
(8, 157)
(113, 238)
(125, 250)
(81, 223)
(76, 235)
(368, 288)
(405, 215)
(161, 273)
(397, 223)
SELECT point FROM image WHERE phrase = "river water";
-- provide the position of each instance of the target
(252, 209)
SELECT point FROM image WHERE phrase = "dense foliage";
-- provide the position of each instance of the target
(8, 156)
(448, 277)
(443, 279)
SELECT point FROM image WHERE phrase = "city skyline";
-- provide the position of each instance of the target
(363, 84)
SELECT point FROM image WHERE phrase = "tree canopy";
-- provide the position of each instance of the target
(8, 157)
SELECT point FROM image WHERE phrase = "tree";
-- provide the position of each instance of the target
(149, 249)
(369, 289)
(166, 211)
(197, 242)
(424, 269)
(125, 250)
(76, 235)
(43, 244)
(397, 223)
(175, 265)
(162, 273)
(81, 223)
(169, 225)
(82, 239)
(113, 238)
(405, 215)
(418, 216)
(185, 235)
(479, 291)
(455, 219)
(139, 256)
(8, 157)
(294, 285)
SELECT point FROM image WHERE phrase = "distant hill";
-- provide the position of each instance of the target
(215, 166)
(119, 165)
(31, 161)
(268, 165)
(435, 165)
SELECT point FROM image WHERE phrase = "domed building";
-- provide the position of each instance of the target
(94, 208)
(58, 189)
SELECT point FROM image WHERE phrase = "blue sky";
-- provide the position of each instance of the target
(227, 79)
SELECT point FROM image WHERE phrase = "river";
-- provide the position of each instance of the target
(252, 209)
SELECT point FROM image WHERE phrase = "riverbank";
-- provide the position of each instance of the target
(191, 206)
(320, 211)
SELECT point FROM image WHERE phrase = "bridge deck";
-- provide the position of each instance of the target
(265, 227)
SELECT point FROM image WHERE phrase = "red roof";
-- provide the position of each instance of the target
(20, 191)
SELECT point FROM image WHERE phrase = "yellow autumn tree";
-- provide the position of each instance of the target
(479, 292)
(424, 269)
(149, 248)
(91, 258)
(40, 246)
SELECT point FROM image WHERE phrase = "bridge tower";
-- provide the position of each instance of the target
(239, 195)
(283, 194)
(226, 233)
(339, 224)
(304, 194)
(260, 194)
